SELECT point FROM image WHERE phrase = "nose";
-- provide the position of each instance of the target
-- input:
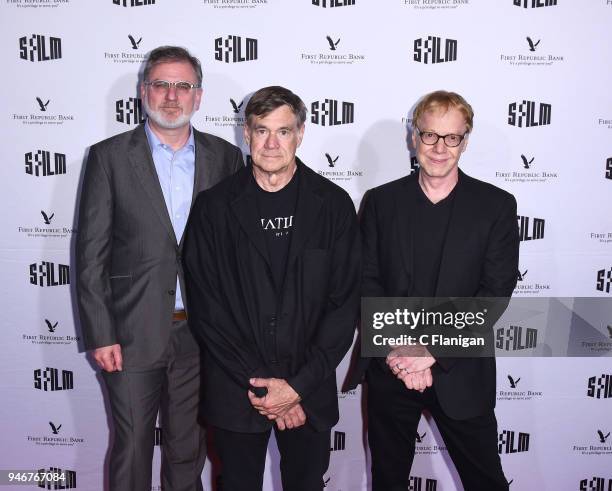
(271, 140)
(439, 146)
(171, 93)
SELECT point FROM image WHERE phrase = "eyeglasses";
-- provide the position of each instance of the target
(163, 86)
(450, 140)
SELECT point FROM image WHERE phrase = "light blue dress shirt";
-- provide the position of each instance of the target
(176, 173)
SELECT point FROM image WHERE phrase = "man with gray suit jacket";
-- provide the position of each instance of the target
(137, 194)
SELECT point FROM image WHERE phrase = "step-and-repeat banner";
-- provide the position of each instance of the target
(537, 73)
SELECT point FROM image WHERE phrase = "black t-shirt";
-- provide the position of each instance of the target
(276, 218)
(430, 226)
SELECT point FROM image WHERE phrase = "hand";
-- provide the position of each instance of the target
(408, 359)
(280, 397)
(109, 358)
(293, 418)
(417, 380)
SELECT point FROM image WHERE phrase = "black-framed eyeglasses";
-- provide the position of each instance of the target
(163, 86)
(450, 140)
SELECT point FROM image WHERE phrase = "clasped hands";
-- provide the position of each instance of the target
(281, 403)
(412, 365)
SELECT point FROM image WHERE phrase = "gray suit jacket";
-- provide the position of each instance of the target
(127, 255)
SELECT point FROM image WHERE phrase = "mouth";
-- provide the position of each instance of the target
(438, 161)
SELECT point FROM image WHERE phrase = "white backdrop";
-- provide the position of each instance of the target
(501, 52)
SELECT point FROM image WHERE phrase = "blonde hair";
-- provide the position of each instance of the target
(443, 100)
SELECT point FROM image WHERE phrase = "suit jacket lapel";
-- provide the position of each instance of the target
(141, 160)
(405, 204)
(245, 210)
(306, 214)
(204, 156)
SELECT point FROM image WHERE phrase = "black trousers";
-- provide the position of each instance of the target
(393, 417)
(304, 458)
(136, 395)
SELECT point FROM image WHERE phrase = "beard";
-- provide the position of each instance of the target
(163, 121)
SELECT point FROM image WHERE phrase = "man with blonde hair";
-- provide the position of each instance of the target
(437, 233)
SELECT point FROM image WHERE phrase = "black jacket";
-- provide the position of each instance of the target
(236, 312)
(479, 259)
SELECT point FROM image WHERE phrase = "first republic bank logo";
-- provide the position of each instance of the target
(434, 50)
(235, 49)
(38, 48)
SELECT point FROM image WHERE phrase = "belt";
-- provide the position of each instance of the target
(179, 315)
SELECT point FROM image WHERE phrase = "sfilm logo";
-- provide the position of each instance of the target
(133, 3)
(414, 165)
(604, 280)
(38, 48)
(50, 379)
(69, 481)
(435, 50)
(233, 49)
(326, 112)
(129, 111)
(535, 232)
(43, 163)
(158, 437)
(600, 387)
(338, 441)
(596, 484)
(333, 3)
(509, 442)
(514, 338)
(523, 114)
(534, 3)
(416, 483)
(47, 273)
(609, 168)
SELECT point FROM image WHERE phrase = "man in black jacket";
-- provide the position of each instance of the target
(437, 233)
(272, 267)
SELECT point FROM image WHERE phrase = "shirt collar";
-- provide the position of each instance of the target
(155, 142)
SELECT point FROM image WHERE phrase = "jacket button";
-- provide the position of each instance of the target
(171, 292)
